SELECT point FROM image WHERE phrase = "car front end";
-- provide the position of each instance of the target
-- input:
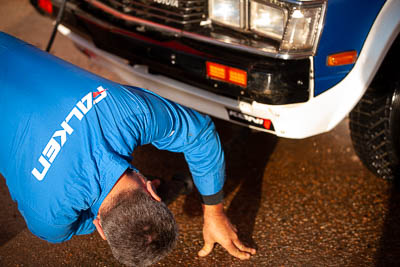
(280, 66)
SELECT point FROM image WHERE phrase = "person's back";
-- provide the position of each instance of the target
(61, 149)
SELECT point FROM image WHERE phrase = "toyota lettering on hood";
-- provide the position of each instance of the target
(174, 3)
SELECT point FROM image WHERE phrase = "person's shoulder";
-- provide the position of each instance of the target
(45, 228)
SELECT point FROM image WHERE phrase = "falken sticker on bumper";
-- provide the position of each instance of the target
(250, 120)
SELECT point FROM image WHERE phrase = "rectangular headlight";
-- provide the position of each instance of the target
(226, 12)
(267, 20)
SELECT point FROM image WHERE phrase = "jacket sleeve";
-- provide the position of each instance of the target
(176, 128)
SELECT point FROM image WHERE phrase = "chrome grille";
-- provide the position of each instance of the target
(169, 12)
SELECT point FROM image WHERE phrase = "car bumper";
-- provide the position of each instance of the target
(318, 115)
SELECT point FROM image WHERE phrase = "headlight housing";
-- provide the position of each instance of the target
(295, 24)
(301, 29)
(267, 20)
(227, 12)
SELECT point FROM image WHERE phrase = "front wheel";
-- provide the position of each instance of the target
(375, 130)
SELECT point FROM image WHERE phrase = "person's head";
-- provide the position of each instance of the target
(137, 225)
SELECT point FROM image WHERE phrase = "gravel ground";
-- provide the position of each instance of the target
(303, 202)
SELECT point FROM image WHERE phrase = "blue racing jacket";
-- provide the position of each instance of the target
(67, 136)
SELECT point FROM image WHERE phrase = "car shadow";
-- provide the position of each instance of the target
(247, 153)
(246, 162)
(388, 253)
(11, 221)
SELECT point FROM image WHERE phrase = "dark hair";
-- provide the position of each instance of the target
(139, 230)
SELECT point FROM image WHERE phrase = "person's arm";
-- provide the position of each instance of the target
(180, 129)
(172, 127)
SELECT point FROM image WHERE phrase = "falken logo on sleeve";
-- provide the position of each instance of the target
(53, 147)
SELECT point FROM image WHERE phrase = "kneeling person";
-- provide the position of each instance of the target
(65, 146)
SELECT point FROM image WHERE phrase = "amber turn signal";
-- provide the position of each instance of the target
(226, 74)
(343, 58)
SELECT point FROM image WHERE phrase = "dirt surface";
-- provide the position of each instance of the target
(299, 202)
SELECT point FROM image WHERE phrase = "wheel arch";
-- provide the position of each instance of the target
(382, 42)
(387, 68)
(379, 42)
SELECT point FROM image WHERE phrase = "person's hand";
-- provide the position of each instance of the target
(218, 229)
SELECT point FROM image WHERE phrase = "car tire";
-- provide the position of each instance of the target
(375, 130)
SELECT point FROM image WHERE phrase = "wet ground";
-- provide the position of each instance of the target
(299, 202)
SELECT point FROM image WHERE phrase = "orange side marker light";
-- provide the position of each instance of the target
(344, 58)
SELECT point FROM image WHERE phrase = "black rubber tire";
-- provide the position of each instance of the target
(375, 130)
